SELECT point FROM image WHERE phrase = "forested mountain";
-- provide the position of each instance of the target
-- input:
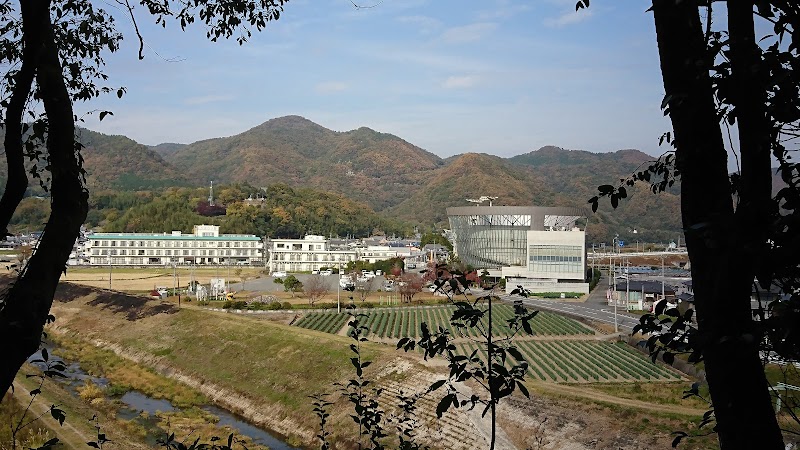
(118, 162)
(575, 175)
(376, 171)
(470, 176)
(277, 211)
(115, 162)
(167, 148)
(376, 168)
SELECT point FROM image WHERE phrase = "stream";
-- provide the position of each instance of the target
(136, 403)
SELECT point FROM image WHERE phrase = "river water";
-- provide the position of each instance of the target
(137, 403)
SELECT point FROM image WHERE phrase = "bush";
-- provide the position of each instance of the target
(239, 304)
(117, 390)
(286, 305)
(274, 306)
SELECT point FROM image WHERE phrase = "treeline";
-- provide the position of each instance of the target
(277, 211)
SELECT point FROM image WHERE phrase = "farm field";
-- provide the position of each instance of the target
(405, 322)
(561, 350)
(577, 361)
(143, 279)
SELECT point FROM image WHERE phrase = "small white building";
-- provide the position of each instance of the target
(305, 255)
(204, 246)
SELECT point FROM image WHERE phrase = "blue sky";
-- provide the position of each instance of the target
(502, 77)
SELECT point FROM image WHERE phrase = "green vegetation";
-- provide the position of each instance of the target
(397, 323)
(435, 238)
(325, 322)
(123, 375)
(580, 361)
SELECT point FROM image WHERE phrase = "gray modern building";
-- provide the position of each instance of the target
(540, 248)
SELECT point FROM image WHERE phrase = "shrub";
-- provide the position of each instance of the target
(90, 391)
(117, 390)
(274, 306)
(239, 304)
(286, 305)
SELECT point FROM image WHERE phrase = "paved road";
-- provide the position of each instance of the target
(595, 308)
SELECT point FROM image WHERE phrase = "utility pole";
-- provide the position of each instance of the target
(662, 277)
(109, 269)
(613, 280)
(339, 288)
(627, 284)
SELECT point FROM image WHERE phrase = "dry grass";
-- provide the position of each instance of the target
(145, 279)
(275, 365)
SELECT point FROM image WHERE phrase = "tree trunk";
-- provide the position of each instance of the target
(717, 239)
(26, 304)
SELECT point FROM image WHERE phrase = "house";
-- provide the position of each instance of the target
(642, 294)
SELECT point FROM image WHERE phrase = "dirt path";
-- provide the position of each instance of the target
(582, 392)
(69, 436)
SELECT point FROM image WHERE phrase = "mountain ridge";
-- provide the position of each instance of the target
(389, 174)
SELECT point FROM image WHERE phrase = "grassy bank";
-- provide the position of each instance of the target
(276, 366)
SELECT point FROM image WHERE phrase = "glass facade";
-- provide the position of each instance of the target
(494, 237)
(491, 241)
(556, 259)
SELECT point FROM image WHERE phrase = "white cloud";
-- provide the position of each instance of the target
(424, 24)
(468, 33)
(459, 82)
(568, 18)
(329, 87)
(504, 10)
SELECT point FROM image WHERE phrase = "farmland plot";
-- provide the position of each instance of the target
(583, 361)
(396, 323)
(328, 322)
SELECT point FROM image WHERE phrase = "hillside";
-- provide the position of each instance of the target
(390, 175)
(470, 176)
(363, 164)
(575, 175)
(118, 162)
(167, 148)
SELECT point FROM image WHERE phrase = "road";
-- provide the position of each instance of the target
(595, 308)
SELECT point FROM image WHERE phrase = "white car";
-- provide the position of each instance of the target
(326, 273)
(279, 274)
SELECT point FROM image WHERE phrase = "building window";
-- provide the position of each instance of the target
(562, 259)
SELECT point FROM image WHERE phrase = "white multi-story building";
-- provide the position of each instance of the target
(539, 248)
(204, 246)
(305, 255)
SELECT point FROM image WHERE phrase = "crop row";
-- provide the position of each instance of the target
(327, 322)
(406, 322)
(580, 361)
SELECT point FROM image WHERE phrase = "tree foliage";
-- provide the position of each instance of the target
(52, 52)
(719, 75)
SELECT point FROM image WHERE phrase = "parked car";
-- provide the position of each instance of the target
(326, 273)
(279, 274)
